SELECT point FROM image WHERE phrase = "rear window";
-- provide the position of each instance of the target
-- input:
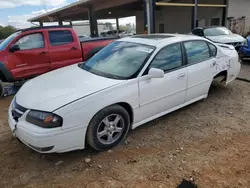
(60, 37)
(197, 51)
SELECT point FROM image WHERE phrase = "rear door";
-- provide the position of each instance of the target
(64, 48)
(32, 58)
(201, 68)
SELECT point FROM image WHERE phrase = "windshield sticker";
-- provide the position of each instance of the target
(143, 49)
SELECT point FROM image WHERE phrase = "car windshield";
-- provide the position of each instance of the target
(216, 31)
(119, 60)
(7, 41)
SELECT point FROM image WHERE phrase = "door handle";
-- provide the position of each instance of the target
(43, 53)
(73, 48)
(182, 75)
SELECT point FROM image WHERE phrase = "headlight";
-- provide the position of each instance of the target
(44, 119)
(245, 43)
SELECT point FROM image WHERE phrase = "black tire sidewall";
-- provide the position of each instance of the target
(96, 120)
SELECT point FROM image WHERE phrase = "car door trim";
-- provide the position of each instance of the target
(159, 98)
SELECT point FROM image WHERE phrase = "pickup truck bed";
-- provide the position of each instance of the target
(93, 45)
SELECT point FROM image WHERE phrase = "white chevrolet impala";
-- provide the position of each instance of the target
(128, 83)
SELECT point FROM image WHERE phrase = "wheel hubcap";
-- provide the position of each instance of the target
(110, 129)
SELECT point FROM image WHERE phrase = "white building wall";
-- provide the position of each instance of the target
(238, 9)
(84, 29)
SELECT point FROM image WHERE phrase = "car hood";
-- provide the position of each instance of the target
(226, 38)
(61, 87)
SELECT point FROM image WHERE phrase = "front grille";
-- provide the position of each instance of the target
(235, 44)
(17, 110)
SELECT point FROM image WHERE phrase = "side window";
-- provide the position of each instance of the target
(213, 49)
(197, 51)
(168, 58)
(32, 41)
(60, 37)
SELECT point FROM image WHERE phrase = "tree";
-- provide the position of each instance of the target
(6, 31)
(108, 26)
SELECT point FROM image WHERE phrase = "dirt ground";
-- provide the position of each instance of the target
(208, 141)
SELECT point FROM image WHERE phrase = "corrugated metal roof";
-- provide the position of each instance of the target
(58, 10)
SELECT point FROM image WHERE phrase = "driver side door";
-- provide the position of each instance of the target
(33, 58)
(159, 96)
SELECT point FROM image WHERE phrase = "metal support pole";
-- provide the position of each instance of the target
(150, 6)
(153, 16)
(92, 23)
(194, 15)
(41, 23)
(60, 23)
(145, 16)
(117, 25)
(224, 13)
(70, 23)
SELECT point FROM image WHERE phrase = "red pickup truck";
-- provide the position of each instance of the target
(34, 51)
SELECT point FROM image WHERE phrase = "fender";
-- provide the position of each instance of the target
(7, 75)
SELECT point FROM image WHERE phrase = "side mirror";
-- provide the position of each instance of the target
(155, 73)
(198, 32)
(14, 47)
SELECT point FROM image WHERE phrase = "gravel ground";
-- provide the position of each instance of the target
(245, 70)
(207, 141)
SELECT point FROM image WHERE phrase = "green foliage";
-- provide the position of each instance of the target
(6, 31)
(108, 26)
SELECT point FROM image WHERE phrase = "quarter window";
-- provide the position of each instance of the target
(197, 51)
(31, 41)
(213, 49)
(60, 37)
(168, 58)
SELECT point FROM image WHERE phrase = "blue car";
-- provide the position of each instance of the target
(244, 51)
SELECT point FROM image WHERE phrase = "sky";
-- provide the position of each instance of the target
(17, 12)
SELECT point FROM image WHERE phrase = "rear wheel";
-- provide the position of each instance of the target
(108, 128)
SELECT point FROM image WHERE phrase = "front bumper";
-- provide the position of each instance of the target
(46, 140)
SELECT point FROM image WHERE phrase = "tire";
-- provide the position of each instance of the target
(241, 56)
(112, 121)
(1, 89)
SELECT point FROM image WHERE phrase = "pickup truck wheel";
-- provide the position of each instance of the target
(1, 89)
(108, 128)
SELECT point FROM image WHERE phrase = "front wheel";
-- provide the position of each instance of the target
(108, 128)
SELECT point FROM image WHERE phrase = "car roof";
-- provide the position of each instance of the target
(207, 27)
(160, 39)
(44, 27)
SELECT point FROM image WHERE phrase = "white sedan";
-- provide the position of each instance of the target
(128, 83)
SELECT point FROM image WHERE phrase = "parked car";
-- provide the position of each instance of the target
(34, 51)
(244, 52)
(113, 33)
(128, 83)
(220, 35)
